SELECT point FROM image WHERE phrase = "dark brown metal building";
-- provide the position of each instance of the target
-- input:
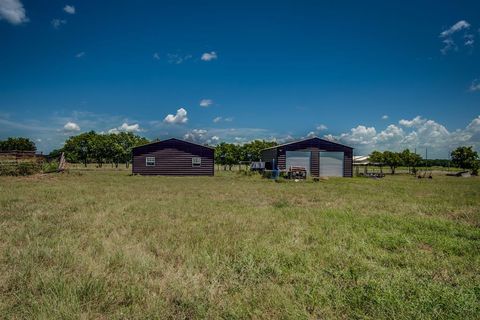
(321, 158)
(173, 157)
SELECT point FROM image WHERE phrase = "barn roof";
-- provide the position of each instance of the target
(184, 141)
(307, 139)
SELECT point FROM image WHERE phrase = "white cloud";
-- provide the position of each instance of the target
(218, 119)
(69, 9)
(448, 35)
(384, 117)
(462, 24)
(56, 23)
(196, 135)
(475, 86)
(201, 136)
(156, 56)
(361, 135)
(174, 58)
(417, 133)
(415, 122)
(237, 135)
(469, 40)
(80, 54)
(179, 117)
(125, 127)
(71, 126)
(321, 127)
(13, 11)
(206, 103)
(209, 56)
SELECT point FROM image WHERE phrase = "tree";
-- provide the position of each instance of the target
(392, 159)
(464, 157)
(102, 148)
(227, 154)
(124, 142)
(252, 151)
(410, 160)
(17, 144)
(376, 157)
(80, 148)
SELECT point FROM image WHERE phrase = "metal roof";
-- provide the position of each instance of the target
(161, 141)
(297, 141)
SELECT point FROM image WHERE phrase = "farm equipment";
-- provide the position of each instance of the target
(297, 173)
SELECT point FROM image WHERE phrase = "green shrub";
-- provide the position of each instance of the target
(26, 168)
(49, 167)
(7, 170)
(19, 169)
(475, 168)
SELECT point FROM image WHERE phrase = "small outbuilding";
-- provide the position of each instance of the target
(173, 157)
(320, 158)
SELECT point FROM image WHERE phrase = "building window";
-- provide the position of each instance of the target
(150, 161)
(196, 162)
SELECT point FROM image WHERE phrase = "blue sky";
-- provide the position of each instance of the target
(373, 74)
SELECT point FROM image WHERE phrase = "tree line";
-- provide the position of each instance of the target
(230, 154)
(92, 147)
(17, 144)
(462, 157)
(116, 148)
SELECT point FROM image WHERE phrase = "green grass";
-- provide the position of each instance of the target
(103, 244)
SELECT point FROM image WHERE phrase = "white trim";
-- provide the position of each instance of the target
(149, 159)
(196, 161)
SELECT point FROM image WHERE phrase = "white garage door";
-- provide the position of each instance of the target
(298, 159)
(331, 164)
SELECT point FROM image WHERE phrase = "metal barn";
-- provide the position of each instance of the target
(173, 157)
(321, 158)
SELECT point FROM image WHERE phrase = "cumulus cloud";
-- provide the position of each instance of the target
(80, 54)
(69, 9)
(417, 133)
(384, 117)
(178, 118)
(447, 36)
(412, 123)
(71, 126)
(57, 23)
(196, 135)
(125, 127)
(217, 119)
(209, 56)
(321, 127)
(206, 103)
(13, 11)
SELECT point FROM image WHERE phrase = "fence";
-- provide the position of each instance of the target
(20, 162)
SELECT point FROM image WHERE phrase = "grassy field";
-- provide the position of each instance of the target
(103, 244)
